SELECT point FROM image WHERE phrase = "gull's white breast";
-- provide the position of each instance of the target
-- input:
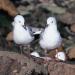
(21, 36)
(50, 38)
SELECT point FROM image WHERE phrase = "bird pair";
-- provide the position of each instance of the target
(49, 38)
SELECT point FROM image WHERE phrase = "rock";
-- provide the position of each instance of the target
(45, 1)
(55, 54)
(25, 10)
(9, 7)
(9, 39)
(65, 3)
(73, 28)
(72, 9)
(53, 8)
(12, 63)
(52, 53)
(67, 18)
(60, 68)
(9, 36)
(71, 52)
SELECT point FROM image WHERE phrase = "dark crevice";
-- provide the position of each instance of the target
(35, 73)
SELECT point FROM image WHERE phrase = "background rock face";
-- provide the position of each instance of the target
(8, 6)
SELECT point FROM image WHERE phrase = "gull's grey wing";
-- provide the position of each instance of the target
(30, 31)
(36, 30)
(41, 35)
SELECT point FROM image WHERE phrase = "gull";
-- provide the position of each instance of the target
(21, 33)
(50, 38)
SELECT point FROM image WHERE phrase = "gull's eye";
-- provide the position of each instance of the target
(59, 55)
(19, 21)
(52, 22)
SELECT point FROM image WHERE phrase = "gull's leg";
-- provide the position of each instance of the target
(46, 60)
(45, 51)
(21, 49)
(56, 53)
(56, 50)
(29, 49)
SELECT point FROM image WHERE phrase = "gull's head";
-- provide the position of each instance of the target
(19, 19)
(51, 20)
